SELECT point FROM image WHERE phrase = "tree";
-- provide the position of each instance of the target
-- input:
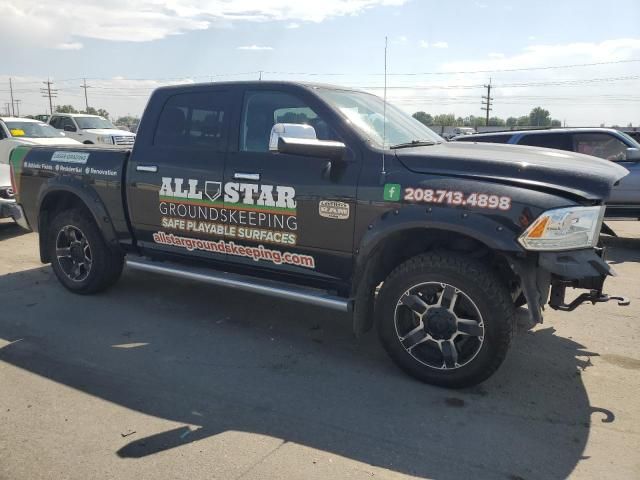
(539, 117)
(127, 120)
(556, 123)
(66, 109)
(523, 121)
(101, 111)
(424, 118)
(445, 119)
(512, 122)
(496, 122)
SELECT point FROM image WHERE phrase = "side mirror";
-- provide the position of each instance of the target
(633, 154)
(298, 139)
(69, 128)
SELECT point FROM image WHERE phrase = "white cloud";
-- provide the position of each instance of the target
(496, 55)
(69, 46)
(425, 44)
(292, 25)
(255, 47)
(61, 22)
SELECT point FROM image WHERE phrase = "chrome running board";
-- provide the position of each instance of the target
(241, 282)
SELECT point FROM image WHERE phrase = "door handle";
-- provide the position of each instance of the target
(147, 168)
(247, 176)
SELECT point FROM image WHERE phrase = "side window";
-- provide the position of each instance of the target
(55, 122)
(600, 145)
(67, 122)
(262, 110)
(2, 134)
(194, 120)
(559, 141)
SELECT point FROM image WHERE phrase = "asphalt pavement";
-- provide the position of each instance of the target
(163, 378)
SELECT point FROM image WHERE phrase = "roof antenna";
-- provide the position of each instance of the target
(383, 173)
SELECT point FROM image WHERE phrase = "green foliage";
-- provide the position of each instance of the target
(65, 109)
(127, 120)
(424, 118)
(538, 117)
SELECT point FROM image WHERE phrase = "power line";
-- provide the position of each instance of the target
(486, 101)
(48, 92)
(85, 87)
(18, 102)
(13, 111)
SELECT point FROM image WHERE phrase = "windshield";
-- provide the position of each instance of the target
(87, 123)
(32, 130)
(366, 113)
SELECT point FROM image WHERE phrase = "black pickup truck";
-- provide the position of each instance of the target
(321, 195)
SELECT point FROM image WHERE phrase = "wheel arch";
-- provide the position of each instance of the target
(382, 249)
(67, 194)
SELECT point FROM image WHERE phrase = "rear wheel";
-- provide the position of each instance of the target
(81, 259)
(445, 319)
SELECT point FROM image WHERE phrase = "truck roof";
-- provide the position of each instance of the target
(19, 119)
(261, 83)
(77, 114)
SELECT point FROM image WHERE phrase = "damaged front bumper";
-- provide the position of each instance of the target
(546, 276)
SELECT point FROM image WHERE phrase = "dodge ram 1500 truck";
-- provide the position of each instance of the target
(321, 195)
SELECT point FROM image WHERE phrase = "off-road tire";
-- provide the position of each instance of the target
(107, 262)
(480, 284)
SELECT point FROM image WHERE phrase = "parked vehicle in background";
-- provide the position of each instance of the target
(16, 131)
(606, 143)
(301, 192)
(91, 129)
(458, 131)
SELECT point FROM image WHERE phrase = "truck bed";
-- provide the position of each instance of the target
(96, 172)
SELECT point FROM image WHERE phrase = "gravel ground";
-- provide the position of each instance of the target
(160, 378)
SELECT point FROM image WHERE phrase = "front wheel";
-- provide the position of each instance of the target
(445, 319)
(80, 257)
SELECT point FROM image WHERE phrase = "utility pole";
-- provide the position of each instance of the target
(486, 102)
(260, 77)
(49, 92)
(13, 112)
(86, 101)
(6, 106)
(18, 106)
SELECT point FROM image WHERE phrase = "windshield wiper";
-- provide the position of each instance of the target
(413, 143)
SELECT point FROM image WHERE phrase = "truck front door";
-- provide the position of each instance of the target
(289, 214)
(174, 177)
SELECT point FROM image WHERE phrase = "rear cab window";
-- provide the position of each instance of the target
(194, 120)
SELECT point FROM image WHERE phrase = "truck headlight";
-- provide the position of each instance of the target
(106, 139)
(564, 229)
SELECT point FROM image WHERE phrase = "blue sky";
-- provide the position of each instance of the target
(128, 47)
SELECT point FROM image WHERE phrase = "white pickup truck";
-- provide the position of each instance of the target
(91, 129)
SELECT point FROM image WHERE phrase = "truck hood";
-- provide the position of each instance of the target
(110, 131)
(538, 168)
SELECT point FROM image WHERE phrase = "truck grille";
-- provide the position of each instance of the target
(124, 140)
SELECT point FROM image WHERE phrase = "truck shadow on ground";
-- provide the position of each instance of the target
(224, 361)
(620, 249)
(10, 229)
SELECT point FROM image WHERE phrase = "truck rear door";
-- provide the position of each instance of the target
(174, 179)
